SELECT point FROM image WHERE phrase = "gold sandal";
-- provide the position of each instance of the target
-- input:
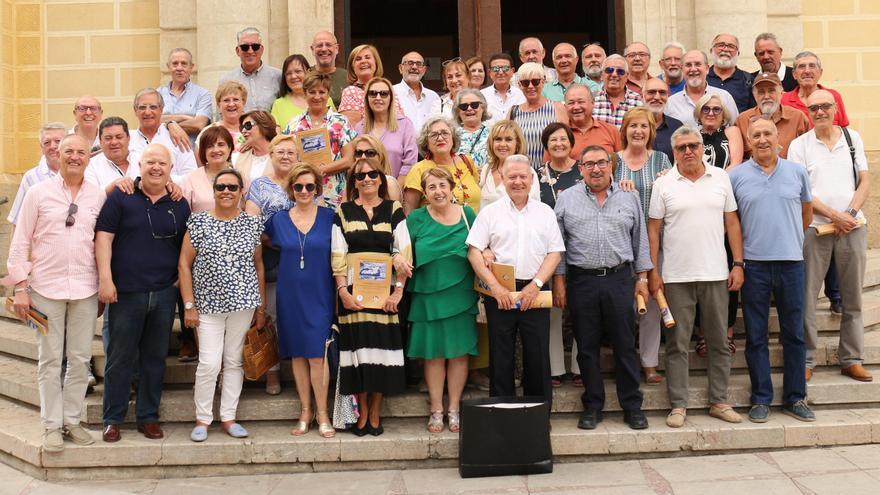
(326, 430)
(301, 427)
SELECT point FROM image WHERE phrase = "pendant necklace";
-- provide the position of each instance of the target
(302, 244)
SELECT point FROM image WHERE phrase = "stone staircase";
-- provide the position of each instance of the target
(848, 413)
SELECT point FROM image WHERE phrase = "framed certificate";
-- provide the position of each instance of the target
(372, 279)
(314, 146)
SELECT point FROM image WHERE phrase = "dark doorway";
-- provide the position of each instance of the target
(397, 27)
(575, 22)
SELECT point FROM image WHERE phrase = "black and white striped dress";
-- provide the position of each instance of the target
(370, 340)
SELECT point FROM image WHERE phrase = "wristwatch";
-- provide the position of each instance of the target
(739, 264)
(189, 305)
(852, 212)
(538, 282)
(21, 289)
(398, 285)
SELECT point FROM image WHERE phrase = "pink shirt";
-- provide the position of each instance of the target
(59, 261)
(198, 190)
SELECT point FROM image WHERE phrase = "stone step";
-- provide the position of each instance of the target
(270, 448)
(18, 381)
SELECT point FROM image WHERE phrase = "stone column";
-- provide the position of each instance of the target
(652, 22)
(278, 32)
(217, 22)
(746, 21)
(305, 18)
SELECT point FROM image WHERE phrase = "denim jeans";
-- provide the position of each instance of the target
(140, 327)
(785, 281)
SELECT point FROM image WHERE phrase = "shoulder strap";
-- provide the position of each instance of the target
(464, 216)
(852, 155)
(469, 164)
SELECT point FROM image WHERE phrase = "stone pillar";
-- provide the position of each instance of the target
(746, 21)
(278, 32)
(305, 18)
(652, 22)
(217, 22)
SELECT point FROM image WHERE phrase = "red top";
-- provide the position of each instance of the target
(792, 99)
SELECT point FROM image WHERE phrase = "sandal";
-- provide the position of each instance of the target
(577, 380)
(435, 422)
(701, 347)
(326, 430)
(651, 376)
(302, 427)
(454, 418)
(731, 345)
(555, 381)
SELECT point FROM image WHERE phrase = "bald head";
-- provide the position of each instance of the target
(822, 107)
(325, 47)
(155, 168)
(88, 114)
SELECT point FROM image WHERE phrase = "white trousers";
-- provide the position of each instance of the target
(221, 343)
(73, 322)
(649, 335)
(557, 350)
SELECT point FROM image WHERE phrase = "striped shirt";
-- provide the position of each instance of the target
(30, 178)
(605, 111)
(57, 260)
(532, 125)
(644, 178)
(602, 236)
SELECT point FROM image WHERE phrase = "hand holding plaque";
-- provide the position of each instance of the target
(313, 146)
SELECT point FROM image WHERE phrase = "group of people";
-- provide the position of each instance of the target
(602, 190)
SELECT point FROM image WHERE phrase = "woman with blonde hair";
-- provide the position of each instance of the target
(505, 139)
(537, 112)
(476, 73)
(383, 122)
(230, 98)
(364, 64)
(367, 147)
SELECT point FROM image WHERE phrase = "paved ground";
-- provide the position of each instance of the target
(851, 470)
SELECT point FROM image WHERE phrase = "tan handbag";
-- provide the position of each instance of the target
(260, 350)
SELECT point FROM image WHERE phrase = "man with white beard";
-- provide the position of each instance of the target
(414, 97)
(592, 57)
(670, 62)
(726, 75)
(682, 104)
(790, 123)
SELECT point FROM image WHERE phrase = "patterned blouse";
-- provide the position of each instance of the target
(604, 112)
(340, 135)
(643, 178)
(224, 274)
(269, 196)
(353, 100)
(473, 144)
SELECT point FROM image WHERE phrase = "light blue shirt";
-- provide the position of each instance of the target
(194, 101)
(555, 91)
(770, 209)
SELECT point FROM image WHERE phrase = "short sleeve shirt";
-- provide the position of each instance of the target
(269, 196)
(224, 274)
(605, 112)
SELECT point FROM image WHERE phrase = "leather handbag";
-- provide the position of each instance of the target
(260, 350)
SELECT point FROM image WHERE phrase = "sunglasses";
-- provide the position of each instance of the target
(450, 61)
(689, 147)
(620, 71)
(250, 47)
(367, 153)
(472, 105)
(373, 174)
(530, 82)
(820, 106)
(308, 187)
(712, 110)
(500, 68)
(378, 94)
(224, 187)
(71, 211)
(247, 126)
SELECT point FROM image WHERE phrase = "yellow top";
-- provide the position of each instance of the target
(465, 175)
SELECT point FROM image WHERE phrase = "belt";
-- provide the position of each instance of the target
(599, 272)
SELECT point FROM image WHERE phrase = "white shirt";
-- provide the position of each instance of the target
(103, 172)
(182, 162)
(693, 224)
(30, 178)
(830, 171)
(522, 238)
(498, 108)
(489, 192)
(416, 109)
(442, 106)
(681, 107)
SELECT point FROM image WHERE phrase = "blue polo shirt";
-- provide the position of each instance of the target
(739, 85)
(147, 239)
(663, 135)
(770, 209)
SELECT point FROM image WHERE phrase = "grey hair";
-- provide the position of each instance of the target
(674, 44)
(685, 130)
(52, 126)
(540, 45)
(766, 37)
(248, 30)
(188, 53)
(725, 112)
(615, 56)
(581, 86)
(474, 92)
(148, 91)
(701, 52)
(805, 54)
(516, 158)
(530, 69)
(422, 140)
(725, 34)
(626, 50)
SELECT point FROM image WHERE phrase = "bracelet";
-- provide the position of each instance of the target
(343, 286)
(643, 280)
(21, 289)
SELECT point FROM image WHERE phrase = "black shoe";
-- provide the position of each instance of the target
(376, 430)
(837, 307)
(361, 431)
(635, 419)
(590, 419)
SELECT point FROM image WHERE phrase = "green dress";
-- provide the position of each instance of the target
(443, 310)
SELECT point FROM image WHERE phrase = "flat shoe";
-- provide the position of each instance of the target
(300, 429)
(199, 433)
(676, 417)
(435, 422)
(376, 430)
(235, 430)
(725, 413)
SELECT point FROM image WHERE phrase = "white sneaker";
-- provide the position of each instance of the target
(53, 441)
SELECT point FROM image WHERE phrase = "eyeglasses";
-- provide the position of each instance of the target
(250, 47)
(472, 105)
(638, 55)
(373, 174)
(820, 106)
(284, 152)
(87, 108)
(620, 71)
(414, 63)
(370, 153)
(670, 60)
(602, 164)
(308, 187)
(225, 187)
(530, 82)
(247, 126)
(71, 211)
(144, 108)
(707, 110)
(693, 147)
(500, 68)
(726, 46)
(437, 135)
(153, 231)
(378, 94)
(451, 61)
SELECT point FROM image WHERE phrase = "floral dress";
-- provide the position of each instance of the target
(473, 144)
(340, 135)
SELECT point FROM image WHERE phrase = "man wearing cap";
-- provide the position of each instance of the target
(790, 123)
